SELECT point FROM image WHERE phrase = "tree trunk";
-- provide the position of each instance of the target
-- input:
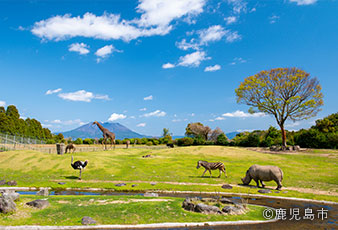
(283, 135)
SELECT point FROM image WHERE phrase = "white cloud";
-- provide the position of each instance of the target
(155, 20)
(230, 20)
(192, 114)
(193, 59)
(141, 125)
(149, 98)
(59, 123)
(143, 109)
(162, 12)
(304, 2)
(238, 6)
(238, 61)
(232, 36)
(82, 95)
(184, 45)
(2, 103)
(291, 125)
(273, 19)
(242, 114)
(56, 122)
(105, 51)
(81, 48)
(50, 91)
(219, 118)
(212, 68)
(176, 120)
(213, 33)
(168, 66)
(157, 113)
(116, 116)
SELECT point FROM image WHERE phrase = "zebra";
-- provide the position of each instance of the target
(212, 166)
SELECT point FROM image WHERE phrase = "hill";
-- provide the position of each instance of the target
(92, 131)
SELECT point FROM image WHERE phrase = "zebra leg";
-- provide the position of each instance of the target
(204, 172)
(210, 173)
(220, 173)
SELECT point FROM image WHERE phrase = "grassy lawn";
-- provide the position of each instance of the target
(304, 172)
(69, 210)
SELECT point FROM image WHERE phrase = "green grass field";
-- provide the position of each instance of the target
(307, 175)
(69, 210)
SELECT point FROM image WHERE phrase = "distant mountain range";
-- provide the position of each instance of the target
(121, 132)
(92, 131)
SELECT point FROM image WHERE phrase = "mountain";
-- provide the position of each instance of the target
(92, 131)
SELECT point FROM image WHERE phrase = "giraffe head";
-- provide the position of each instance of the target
(95, 123)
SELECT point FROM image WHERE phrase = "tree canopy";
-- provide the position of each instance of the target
(285, 93)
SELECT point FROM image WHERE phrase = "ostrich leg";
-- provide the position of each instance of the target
(80, 174)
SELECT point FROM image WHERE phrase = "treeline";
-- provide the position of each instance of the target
(11, 123)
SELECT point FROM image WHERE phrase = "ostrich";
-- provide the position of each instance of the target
(78, 165)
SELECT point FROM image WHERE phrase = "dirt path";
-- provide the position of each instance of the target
(303, 190)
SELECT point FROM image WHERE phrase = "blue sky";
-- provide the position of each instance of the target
(154, 64)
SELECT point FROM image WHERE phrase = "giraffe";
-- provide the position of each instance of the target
(106, 135)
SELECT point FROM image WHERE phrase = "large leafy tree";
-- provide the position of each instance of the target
(285, 93)
(197, 130)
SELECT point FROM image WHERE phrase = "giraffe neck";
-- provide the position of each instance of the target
(100, 126)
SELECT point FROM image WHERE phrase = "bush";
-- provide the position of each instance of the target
(185, 141)
(222, 139)
(149, 143)
(78, 141)
(199, 140)
(88, 141)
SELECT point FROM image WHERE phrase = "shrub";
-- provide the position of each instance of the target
(185, 141)
(78, 141)
(88, 141)
(222, 139)
(149, 143)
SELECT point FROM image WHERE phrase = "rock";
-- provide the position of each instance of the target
(12, 183)
(7, 205)
(208, 200)
(2, 182)
(227, 186)
(12, 195)
(233, 210)
(188, 205)
(146, 156)
(86, 220)
(226, 201)
(43, 192)
(120, 184)
(134, 185)
(62, 183)
(273, 148)
(276, 191)
(264, 191)
(296, 148)
(150, 194)
(41, 204)
(207, 209)
(153, 183)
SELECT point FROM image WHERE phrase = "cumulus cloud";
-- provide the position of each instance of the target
(105, 51)
(143, 109)
(168, 66)
(116, 116)
(184, 45)
(80, 48)
(232, 36)
(82, 95)
(2, 103)
(50, 91)
(212, 68)
(304, 2)
(162, 12)
(149, 98)
(157, 113)
(155, 19)
(141, 125)
(213, 33)
(230, 20)
(242, 114)
(59, 123)
(238, 6)
(193, 59)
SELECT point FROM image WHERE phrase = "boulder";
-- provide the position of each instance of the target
(2, 182)
(86, 220)
(7, 205)
(43, 192)
(150, 194)
(227, 186)
(120, 184)
(62, 183)
(12, 183)
(41, 204)
(296, 148)
(134, 185)
(12, 195)
(226, 201)
(188, 205)
(264, 191)
(207, 209)
(153, 183)
(233, 210)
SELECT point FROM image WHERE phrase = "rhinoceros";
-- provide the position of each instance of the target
(263, 173)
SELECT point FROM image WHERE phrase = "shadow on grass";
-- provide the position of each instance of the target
(203, 177)
(72, 177)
